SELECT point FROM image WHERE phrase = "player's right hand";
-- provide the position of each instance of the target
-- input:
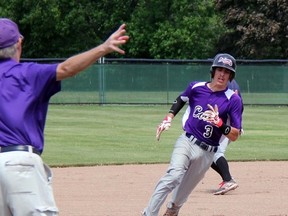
(164, 125)
(212, 116)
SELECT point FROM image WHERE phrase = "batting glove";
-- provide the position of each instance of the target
(212, 116)
(165, 125)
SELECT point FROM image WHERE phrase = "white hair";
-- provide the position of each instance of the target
(8, 52)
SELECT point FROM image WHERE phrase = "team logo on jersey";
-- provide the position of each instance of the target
(225, 60)
(198, 112)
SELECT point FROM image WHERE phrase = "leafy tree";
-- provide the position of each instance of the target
(54, 28)
(257, 29)
(158, 29)
(174, 29)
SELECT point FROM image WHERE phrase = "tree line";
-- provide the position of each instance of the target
(170, 29)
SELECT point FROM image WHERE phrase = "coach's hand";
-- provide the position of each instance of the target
(165, 125)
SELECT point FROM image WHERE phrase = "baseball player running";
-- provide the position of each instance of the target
(220, 164)
(204, 124)
(26, 88)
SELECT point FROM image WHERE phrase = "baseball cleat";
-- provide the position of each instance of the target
(226, 187)
(172, 210)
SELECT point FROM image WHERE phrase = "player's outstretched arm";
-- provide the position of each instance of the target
(78, 63)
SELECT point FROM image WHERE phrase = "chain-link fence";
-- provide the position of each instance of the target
(143, 81)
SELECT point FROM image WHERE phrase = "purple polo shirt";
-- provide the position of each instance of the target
(25, 92)
(198, 95)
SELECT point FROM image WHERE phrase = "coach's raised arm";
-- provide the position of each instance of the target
(78, 63)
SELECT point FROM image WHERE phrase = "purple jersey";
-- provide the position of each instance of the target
(25, 92)
(198, 95)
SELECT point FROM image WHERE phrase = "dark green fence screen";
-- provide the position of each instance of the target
(159, 82)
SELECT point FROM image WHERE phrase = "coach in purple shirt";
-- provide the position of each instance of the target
(26, 88)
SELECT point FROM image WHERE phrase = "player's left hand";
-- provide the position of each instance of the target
(212, 116)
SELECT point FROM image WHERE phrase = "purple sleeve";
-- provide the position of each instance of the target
(188, 91)
(235, 111)
(43, 78)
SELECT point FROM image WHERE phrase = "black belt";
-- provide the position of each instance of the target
(201, 144)
(26, 148)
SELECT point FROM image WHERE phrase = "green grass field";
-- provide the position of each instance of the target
(155, 97)
(78, 135)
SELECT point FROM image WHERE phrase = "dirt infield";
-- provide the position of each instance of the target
(125, 190)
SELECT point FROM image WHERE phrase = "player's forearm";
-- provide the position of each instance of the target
(177, 106)
(80, 62)
(171, 115)
(233, 134)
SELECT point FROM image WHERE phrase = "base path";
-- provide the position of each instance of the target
(124, 190)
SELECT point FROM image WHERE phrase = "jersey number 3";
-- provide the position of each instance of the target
(208, 131)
